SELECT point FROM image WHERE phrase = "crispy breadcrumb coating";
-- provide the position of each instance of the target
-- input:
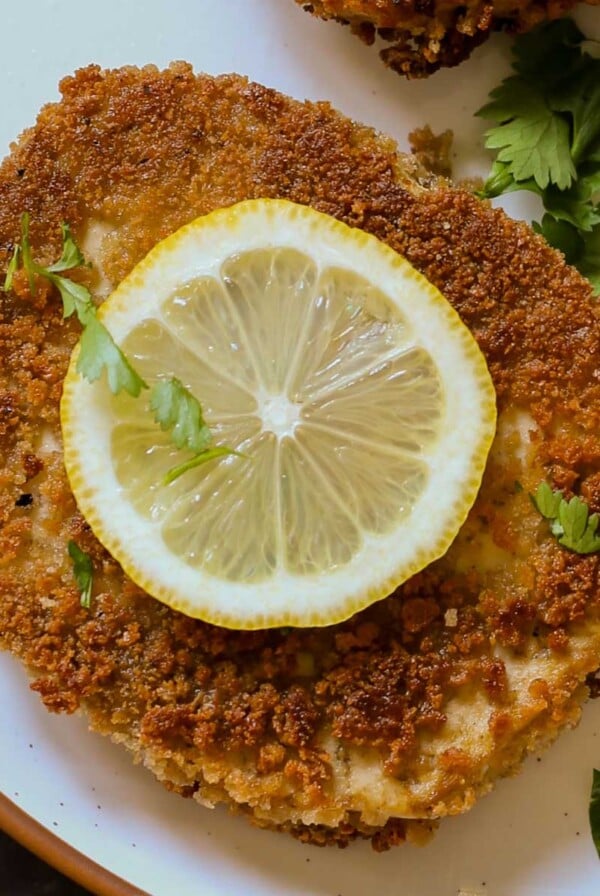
(407, 712)
(422, 36)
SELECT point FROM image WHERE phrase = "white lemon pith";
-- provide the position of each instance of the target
(362, 404)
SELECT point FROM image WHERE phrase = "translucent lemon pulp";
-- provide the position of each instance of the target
(362, 406)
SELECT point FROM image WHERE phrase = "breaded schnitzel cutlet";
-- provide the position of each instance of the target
(422, 36)
(410, 710)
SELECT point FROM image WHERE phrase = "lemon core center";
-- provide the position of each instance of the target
(279, 415)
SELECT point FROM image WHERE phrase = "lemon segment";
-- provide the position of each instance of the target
(362, 405)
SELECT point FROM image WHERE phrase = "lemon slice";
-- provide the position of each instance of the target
(362, 404)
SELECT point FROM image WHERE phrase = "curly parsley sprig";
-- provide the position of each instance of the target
(547, 138)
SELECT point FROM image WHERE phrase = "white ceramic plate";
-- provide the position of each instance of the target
(529, 838)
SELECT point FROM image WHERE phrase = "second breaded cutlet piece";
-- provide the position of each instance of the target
(421, 36)
(412, 709)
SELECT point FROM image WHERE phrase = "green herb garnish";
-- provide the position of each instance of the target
(547, 135)
(98, 350)
(175, 409)
(83, 571)
(594, 810)
(570, 521)
(13, 266)
(198, 460)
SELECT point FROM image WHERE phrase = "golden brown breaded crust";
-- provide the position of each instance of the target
(422, 36)
(415, 706)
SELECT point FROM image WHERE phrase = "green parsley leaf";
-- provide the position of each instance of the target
(176, 409)
(573, 520)
(558, 40)
(594, 153)
(547, 135)
(575, 205)
(570, 521)
(71, 257)
(83, 571)
(594, 810)
(579, 96)
(580, 248)
(532, 139)
(546, 501)
(75, 298)
(562, 235)
(501, 180)
(99, 352)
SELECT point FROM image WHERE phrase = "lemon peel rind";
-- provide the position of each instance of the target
(348, 595)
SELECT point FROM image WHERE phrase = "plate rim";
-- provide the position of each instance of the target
(56, 852)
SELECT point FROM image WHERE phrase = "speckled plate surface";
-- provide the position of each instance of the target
(71, 795)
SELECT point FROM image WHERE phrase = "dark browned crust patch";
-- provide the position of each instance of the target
(422, 36)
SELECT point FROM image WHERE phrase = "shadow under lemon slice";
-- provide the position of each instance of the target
(360, 404)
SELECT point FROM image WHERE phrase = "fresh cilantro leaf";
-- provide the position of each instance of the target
(570, 521)
(594, 810)
(83, 571)
(99, 352)
(198, 460)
